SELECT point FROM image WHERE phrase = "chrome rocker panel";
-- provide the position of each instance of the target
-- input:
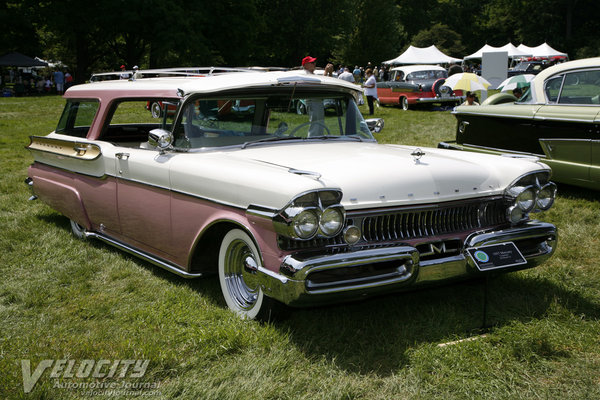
(293, 285)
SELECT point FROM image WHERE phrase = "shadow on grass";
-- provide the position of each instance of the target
(577, 193)
(377, 335)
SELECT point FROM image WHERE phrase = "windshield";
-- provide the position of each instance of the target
(241, 120)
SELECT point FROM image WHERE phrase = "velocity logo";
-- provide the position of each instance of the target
(82, 369)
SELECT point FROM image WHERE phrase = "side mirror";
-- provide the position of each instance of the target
(375, 124)
(160, 139)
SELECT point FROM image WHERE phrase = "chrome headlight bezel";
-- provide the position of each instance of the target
(525, 192)
(322, 205)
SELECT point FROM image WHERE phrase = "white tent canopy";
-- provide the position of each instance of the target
(513, 52)
(543, 50)
(423, 55)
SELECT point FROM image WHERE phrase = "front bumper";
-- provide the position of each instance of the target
(308, 279)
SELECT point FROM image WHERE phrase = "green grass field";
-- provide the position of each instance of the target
(61, 298)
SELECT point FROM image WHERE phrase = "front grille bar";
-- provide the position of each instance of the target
(432, 222)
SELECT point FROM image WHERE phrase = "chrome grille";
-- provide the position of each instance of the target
(436, 221)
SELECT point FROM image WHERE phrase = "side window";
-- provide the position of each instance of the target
(77, 117)
(132, 120)
(552, 88)
(582, 87)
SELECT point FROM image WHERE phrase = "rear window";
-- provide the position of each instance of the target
(77, 117)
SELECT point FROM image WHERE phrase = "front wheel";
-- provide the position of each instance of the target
(239, 260)
(404, 103)
(78, 231)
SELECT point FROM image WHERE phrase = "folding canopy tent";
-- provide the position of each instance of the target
(20, 60)
(423, 55)
(513, 52)
(543, 50)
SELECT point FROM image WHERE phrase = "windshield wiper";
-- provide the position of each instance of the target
(271, 139)
(326, 137)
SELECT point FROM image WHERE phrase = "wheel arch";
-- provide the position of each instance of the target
(204, 256)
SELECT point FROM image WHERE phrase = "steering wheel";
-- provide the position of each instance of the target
(307, 123)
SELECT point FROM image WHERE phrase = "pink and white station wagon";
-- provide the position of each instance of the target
(287, 208)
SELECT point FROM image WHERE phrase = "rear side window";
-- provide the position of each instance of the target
(77, 117)
(130, 121)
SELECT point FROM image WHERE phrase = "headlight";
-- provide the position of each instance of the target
(526, 199)
(312, 213)
(529, 193)
(546, 195)
(305, 224)
(332, 221)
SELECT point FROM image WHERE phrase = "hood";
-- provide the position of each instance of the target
(376, 175)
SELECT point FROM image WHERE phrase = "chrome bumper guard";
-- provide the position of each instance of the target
(306, 279)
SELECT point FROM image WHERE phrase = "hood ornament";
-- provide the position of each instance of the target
(417, 154)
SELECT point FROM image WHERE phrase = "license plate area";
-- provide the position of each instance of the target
(496, 256)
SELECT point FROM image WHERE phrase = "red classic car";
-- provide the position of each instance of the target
(417, 84)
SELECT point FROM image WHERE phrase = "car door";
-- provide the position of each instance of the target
(567, 125)
(144, 197)
(71, 174)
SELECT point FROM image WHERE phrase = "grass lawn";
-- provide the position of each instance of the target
(61, 298)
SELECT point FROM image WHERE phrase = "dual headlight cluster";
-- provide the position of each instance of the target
(312, 214)
(532, 192)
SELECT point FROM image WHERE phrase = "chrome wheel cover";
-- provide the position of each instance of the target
(240, 266)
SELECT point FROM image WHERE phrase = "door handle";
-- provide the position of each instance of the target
(80, 150)
(122, 156)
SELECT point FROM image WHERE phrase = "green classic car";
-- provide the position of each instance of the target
(557, 120)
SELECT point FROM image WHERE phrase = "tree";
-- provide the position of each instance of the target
(376, 34)
(444, 38)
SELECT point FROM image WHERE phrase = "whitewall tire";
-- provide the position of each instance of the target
(239, 259)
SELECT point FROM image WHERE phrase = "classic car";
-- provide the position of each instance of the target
(286, 208)
(557, 120)
(528, 67)
(417, 84)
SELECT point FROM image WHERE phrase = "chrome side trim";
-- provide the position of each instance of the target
(143, 255)
(439, 99)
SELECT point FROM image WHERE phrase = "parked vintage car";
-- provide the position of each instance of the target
(528, 67)
(417, 84)
(286, 208)
(557, 120)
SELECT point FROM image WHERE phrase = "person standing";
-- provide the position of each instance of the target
(347, 75)
(370, 89)
(59, 81)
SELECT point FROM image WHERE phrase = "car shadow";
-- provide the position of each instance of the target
(576, 192)
(376, 336)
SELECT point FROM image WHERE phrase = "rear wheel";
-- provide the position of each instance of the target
(404, 103)
(239, 260)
